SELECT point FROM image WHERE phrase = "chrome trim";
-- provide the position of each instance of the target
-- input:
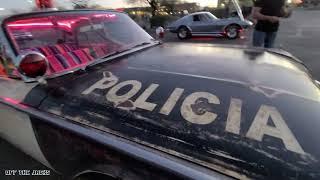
(213, 35)
(22, 56)
(207, 32)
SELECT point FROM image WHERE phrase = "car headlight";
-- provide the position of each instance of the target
(248, 23)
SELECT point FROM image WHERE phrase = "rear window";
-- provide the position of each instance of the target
(73, 39)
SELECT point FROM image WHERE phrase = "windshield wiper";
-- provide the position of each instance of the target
(117, 52)
(83, 68)
(141, 44)
(125, 49)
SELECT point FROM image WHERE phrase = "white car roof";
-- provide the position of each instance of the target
(197, 13)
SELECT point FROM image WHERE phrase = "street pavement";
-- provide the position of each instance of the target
(299, 35)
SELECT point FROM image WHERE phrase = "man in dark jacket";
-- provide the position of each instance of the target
(267, 12)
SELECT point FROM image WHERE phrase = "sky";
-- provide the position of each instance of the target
(6, 5)
(121, 3)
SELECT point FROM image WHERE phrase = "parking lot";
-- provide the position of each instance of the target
(299, 35)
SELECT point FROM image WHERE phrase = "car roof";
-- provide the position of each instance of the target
(197, 13)
(51, 11)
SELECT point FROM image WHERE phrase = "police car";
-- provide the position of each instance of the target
(89, 93)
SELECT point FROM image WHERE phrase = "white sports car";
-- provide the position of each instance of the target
(206, 24)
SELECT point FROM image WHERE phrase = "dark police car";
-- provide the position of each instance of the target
(89, 92)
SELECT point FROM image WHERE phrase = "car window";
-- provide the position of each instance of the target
(201, 18)
(205, 18)
(70, 40)
(211, 16)
(196, 18)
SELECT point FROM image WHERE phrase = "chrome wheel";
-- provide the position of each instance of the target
(232, 32)
(183, 33)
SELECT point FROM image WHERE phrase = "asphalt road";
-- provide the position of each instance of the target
(299, 35)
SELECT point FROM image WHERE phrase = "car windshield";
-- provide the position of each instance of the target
(71, 40)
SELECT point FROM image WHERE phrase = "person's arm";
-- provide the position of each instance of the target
(259, 16)
(256, 12)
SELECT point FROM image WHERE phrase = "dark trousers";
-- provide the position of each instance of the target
(264, 39)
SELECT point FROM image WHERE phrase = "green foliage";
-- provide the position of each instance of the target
(160, 20)
(247, 3)
(155, 4)
(80, 4)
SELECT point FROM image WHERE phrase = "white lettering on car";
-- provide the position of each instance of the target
(171, 101)
(204, 117)
(195, 111)
(259, 128)
(107, 77)
(117, 99)
(141, 101)
(234, 116)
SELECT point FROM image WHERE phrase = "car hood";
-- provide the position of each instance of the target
(242, 112)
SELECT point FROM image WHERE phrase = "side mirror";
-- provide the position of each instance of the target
(32, 64)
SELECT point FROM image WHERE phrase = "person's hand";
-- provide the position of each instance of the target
(274, 19)
(286, 11)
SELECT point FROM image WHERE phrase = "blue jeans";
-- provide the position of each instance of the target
(264, 39)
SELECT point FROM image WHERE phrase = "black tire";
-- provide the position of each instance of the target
(94, 176)
(232, 31)
(183, 33)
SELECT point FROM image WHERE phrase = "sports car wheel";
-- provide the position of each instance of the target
(232, 31)
(183, 33)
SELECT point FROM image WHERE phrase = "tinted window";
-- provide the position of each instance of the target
(201, 17)
(196, 18)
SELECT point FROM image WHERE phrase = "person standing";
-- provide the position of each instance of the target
(267, 13)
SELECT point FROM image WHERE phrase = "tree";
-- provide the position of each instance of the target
(231, 8)
(96, 6)
(154, 4)
(80, 4)
(169, 4)
(246, 3)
